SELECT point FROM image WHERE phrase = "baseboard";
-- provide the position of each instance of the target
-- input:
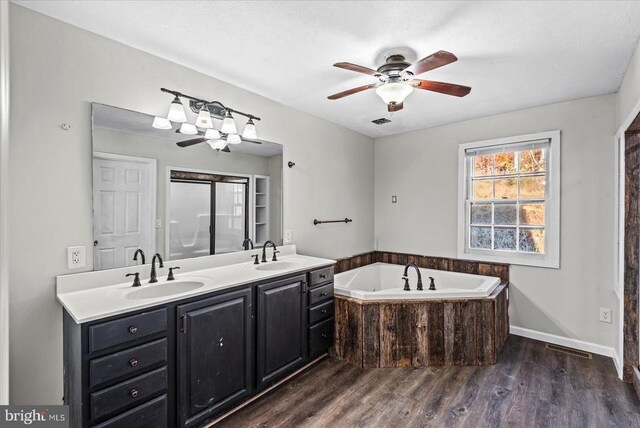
(617, 361)
(565, 341)
(636, 381)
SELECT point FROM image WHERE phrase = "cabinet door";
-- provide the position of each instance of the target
(281, 328)
(215, 355)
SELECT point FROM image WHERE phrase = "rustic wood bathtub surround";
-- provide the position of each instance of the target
(631, 354)
(419, 333)
(440, 263)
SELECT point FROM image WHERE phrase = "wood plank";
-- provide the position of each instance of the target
(371, 336)
(529, 386)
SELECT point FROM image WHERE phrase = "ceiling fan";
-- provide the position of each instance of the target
(396, 79)
(220, 144)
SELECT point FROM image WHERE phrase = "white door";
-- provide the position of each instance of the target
(122, 211)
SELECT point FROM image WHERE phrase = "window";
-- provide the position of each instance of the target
(509, 200)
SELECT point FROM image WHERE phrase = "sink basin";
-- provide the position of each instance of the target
(285, 264)
(149, 291)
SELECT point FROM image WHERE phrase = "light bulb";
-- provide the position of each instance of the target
(217, 144)
(212, 134)
(250, 130)
(176, 111)
(161, 123)
(234, 139)
(204, 118)
(394, 92)
(228, 124)
(189, 129)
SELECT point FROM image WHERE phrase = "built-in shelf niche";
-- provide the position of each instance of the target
(261, 209)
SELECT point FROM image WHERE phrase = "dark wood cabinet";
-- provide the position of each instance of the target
(186, 362)
(215, 364)
(282, 333)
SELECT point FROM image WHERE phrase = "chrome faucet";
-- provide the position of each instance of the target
(406, 277)
(246, 244)
(264, 252)
(135, 255)
(153, 277)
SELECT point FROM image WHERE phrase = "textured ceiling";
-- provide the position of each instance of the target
(514, 54)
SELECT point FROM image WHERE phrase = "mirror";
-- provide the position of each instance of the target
(182, 202)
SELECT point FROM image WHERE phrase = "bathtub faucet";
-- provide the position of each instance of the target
(406, 277)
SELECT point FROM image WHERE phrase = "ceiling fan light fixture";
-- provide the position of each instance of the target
(228, 124)
(188, 129)
(176, 111)
(204, 118)
(394, 92)
(161, 123)
(217, 144)
(250, 130)
(234, 139)
(212, 134)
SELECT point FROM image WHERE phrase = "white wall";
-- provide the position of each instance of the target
(57, 71)
(421, 169)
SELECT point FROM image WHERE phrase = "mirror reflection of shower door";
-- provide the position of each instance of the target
(208, 214)
(231, 214)
(190, 219)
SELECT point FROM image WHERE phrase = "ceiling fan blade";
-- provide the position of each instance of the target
(350, 92)
(443, 88)
(252, 140)
(431, 62)
(188, 143)
(357, 68)
(394, 107)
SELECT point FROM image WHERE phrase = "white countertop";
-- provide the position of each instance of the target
(89, 296)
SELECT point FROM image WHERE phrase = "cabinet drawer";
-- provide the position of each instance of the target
(320, 276)
(320, 312)
(104, 335)
(132, 391)
(149, 415)
(320, 338)
(127, 362)
(320, 293)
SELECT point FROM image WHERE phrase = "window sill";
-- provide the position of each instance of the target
(532, 260)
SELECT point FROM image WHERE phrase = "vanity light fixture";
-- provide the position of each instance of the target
(250, 130)
(234, 139)
(228, 124)
(228, 133)
(212, 134)
(161, 123)
(188, 129)
(176, 111)
(204, 118)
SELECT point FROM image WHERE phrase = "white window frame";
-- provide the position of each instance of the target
(551, 257)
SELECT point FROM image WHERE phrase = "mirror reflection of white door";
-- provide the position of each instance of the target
(123, 209)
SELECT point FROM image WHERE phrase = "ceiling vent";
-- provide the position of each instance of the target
(381, 121)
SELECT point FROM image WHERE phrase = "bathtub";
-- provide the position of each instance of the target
(383, 281)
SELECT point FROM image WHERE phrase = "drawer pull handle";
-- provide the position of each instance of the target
(133, 362)
(324, 311)
(133, 393)
(323, 276)
(133, 329)
(324, 293)
(323, 335)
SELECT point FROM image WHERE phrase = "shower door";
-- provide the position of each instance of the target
(208, 214)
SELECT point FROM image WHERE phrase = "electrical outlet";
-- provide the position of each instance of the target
(394, 199)
(605, 315)
(288, 236)
(76, 257)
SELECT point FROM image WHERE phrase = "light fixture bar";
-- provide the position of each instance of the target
(200, 100)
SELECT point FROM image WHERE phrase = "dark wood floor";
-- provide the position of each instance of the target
(529, 387)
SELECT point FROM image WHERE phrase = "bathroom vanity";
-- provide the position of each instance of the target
(184, 359)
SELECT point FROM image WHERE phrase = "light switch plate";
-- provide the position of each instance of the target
(288, 236)
(76, 257)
